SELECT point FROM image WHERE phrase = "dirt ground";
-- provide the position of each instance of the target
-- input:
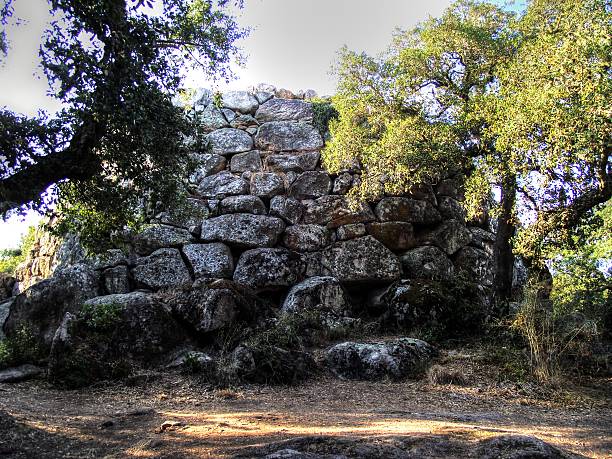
(125, 421)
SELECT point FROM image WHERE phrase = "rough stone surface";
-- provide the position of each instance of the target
(187, 215)
(227, 141)
(210, 260)
(211, 118)
(209, 306)
(397, 359)
(240, 101)
(351, 231)
(42, 307)
(335, 211)
(20, 373)
(361, 260)
(116, 279)
(243, 230)
(394, 235)
(155, 237)
(306, 238)
(310, 185)
(163, 268)
(343, 183)
(247, 161)
(289, 209)
(284, 110)
(288, 136)
(5, 307)
(483, 239)
(244, 204)
(265, 269)
(518, 447)
(267, 184)
(292, 162)
(427, 263)
(323, 294)
(221, 185)
(270, 365)
(406, 210)
(244, 122)
(450, 236)
(477, 263)
(451, 209)
(7, 283)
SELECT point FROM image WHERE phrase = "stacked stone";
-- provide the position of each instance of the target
(265, 214)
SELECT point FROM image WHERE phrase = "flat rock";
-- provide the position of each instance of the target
(240, 101)
(163, 268)
(396, 359)
(361, 260)
(20, 373)
(292, 162)
(284, 110)
(288, 136)
(310, 185)
(227, 141)
(210, 260)
(154, 237)
(306, 238)
(269, 269)
(427, 263)
(247, 161)
(243, 204)
(394, 235)
(221, 185)
(406, 210)
(267, 184)
(243, 230)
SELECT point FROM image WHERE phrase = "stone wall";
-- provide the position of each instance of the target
(264, 213)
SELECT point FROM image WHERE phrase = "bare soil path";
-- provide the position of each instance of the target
(119, 421)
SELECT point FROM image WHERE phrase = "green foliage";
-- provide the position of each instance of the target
(11, 258)
(117, 147)
(323, 113)
(20, 348)
(101, 316)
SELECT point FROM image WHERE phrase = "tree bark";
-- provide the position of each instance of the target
(506, 228)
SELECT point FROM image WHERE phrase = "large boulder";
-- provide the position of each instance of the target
(450, 236)
(306, 238)
(518, 447)
(323, 294)
(335, 211)
(269, 269)
(268, 364)
(361, 260)
(109, 334)
(228, 141)
(240, 101)
(162, 269)
(41, 308)
(288, 136)
(284, 110)
(427, 262)
(267, 184)
(477, 264)
(243, 230)
(211, 118)
(20, 373)
(406, 210)
(209, 306)
(310, 185)
(155, 237)
(394, 235)
(248, 161)
(397, 359)
(243, 204)
(221, 185)
(292, 162)
(116, 279)
(210, 260)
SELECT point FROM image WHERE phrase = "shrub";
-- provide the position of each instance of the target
(438, 374)
(11, 258)
(323, 113)
(101, 316)
(20, 348)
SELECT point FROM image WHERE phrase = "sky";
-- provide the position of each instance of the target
(293, 44)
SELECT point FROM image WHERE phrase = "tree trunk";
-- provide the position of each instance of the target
(504, 258)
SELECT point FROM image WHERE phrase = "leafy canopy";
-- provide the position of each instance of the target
(118, 144)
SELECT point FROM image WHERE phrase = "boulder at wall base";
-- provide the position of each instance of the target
(427, 262)
(323, 294)
(288, 136)
(269, 269)
(212, 305)
(109, 336)
(397, 359)
(163, 268)
(155, 237)
(243, 230)
(361, 260)
(41, 308)
(267, 364)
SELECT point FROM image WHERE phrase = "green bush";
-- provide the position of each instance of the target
(20, 348)
(101, 316)
(323, 113)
